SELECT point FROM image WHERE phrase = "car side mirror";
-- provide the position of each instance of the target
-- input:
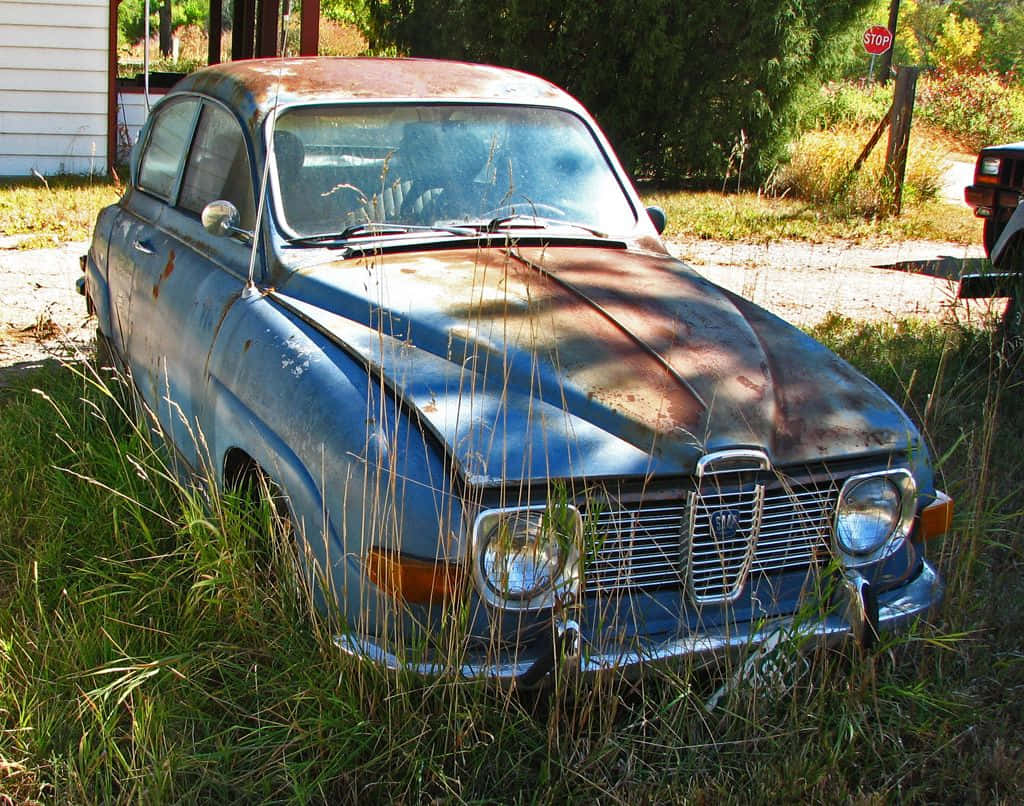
(221, 218)
(658, 218)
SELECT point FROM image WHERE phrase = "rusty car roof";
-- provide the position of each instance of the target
(254, 87)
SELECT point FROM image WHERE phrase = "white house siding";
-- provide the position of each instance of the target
(53, 86)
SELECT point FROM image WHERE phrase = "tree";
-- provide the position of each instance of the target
(165, 28)
(131, 17)
(676, 86)
(958, 45)
(1002, 44)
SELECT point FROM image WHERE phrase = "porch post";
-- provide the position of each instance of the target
(309, 30)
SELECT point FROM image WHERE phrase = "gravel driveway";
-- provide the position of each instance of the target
(803, 282)
(43, 317)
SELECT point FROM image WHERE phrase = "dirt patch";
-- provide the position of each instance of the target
(804, 282)
(43, 317)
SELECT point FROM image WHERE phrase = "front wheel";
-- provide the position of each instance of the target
(280, 546)
(993, 229)
(1013, 320)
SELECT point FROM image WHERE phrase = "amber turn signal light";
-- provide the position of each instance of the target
(936, 518)
(414, 580)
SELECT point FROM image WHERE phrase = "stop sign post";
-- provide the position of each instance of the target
(877, 40)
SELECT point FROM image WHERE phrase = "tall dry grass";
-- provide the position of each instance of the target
(820, 169)
(154, 646)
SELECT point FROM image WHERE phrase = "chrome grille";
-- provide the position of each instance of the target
(635, 548)
(720, 537)
(641, 546)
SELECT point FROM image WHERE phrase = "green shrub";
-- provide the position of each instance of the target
(974, 109)
(978, 109)
(345, 12)
(1003, 44)
(679, 88)
(848, 103)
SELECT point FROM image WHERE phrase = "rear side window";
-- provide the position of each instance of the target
(166, 147)
(218, 167)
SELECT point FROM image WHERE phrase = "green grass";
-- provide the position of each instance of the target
(53, 210)
(755, 217)
(152, 648)
(64, 209)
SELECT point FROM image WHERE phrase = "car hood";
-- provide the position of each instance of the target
(557, 362)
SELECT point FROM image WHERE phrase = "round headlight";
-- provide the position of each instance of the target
(869, 513)
(519, 559)
(527, 557)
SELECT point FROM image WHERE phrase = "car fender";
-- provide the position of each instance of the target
(1000, 254)
(265, 449)
(308, 413)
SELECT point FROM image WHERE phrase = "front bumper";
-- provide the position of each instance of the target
(990, 201)
(861, 618)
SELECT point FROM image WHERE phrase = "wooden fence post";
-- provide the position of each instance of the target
(899, 133)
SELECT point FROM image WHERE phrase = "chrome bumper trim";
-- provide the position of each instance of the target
(895, 609)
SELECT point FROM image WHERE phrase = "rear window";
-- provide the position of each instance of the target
(166, 147)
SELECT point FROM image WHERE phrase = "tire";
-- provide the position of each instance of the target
(256, 486)
(110, 371)
(1013, 321)
(282, 555)
(105, 357)
(993, 229)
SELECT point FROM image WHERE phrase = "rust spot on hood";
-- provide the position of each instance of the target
(635, 344)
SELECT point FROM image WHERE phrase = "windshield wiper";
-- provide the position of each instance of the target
(369, 229)
(525, 221)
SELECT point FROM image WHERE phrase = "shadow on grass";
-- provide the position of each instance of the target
(19, 375)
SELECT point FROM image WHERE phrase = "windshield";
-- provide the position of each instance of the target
(343, 166)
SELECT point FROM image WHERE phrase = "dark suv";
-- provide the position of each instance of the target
(997, 190)
(998, 187)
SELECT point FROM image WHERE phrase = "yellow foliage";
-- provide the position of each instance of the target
(957, 48)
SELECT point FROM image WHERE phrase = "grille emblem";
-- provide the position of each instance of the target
(725, 524)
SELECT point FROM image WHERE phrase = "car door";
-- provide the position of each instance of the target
(185, 296)
(136, 242)
(185, 280)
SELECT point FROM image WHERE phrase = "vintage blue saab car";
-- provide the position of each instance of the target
(424, 300)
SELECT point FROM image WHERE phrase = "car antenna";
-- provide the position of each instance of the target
(265, 174)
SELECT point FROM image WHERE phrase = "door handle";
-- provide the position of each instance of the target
(144, 246)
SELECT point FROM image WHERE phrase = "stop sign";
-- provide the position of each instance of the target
(877, 40)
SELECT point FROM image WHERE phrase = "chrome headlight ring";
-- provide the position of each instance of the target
(874, 515)
(527, 558)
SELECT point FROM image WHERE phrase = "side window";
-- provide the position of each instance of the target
(218, 167)
(166, 147)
